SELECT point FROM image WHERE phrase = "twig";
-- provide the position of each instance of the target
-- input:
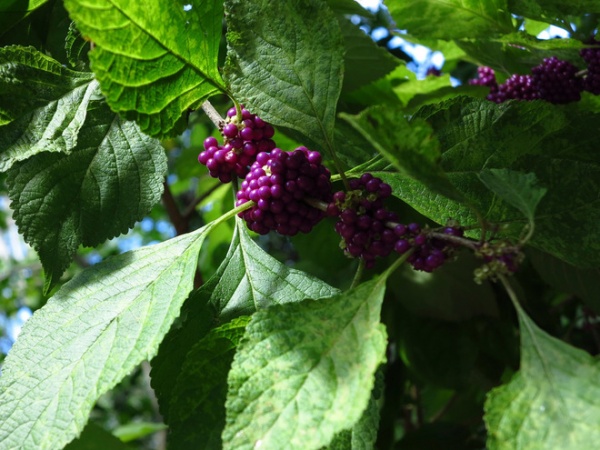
(212, 114)
(192, 207)
(180, 223)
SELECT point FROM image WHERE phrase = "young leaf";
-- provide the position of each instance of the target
(109, 181)
(452, 19)
(148, 70)
(304, 371)
(250, 280)
(411, 148)
(197, 407)
(516, 188)
(93, 332)
(42, 104)
(552, 402)
(289, 71)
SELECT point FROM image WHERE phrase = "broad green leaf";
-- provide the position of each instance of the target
(289, 71)
(250, 280)
(94, 437)
(363, 434)
(410, 147)
(154, 60)
(247, 280)
(110, 180)
(552, 142)
(197, 406)
(451, 19)
(136, 430)
(305, 371)
(91, 333)
(552, 402)
(42, 104)
(518, 189)
(348, 7)
(361, 52)
(196, 320)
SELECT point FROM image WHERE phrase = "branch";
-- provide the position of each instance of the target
(180, 222)
(213, 114)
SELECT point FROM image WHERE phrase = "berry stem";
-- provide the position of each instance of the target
(359, 272)
(464, 242)
(315, 203)
(212, 114)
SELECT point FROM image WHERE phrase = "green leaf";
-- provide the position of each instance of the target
(363, 434)
(76, 48)
(246, 281)
(92, 333)
(451, 19)
(111, 179)
(289, 71)
(518, 189)
(552, 402)
(530, 137)
(94, 437)
(136, 430)
(361, 52)
(547, 10)
(42, 104)
(197, 406)
(304, 371)
(410, 147)
(250, 280)
(148, 71)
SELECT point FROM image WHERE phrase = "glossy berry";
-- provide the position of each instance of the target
(555, 81)
(517, 87)
(485, 77)
(363, 220)
(243, 141)
(279, 183)
(591, 56)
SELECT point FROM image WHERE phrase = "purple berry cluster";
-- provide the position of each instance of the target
(429, 252)
(369, 230)
(554, 80)
(591, 56)
(363, 220)
(281, 184)
(243, 141)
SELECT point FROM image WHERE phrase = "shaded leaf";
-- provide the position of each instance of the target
(94, 437)
(91, 334)
(552, 402)
(265, 53)
(518, 189)
(410, 147)
(111, 179)
(149, 72)
(197, 406)
(43, 105)
(304, 371)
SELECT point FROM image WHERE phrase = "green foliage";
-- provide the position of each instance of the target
(551, 402)
(274, 342)
(264, 53)
(305, 354)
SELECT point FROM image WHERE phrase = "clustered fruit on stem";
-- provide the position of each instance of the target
(290, 192)
(554, 80)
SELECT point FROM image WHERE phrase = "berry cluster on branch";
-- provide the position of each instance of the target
(554, 80)
(290, 192)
